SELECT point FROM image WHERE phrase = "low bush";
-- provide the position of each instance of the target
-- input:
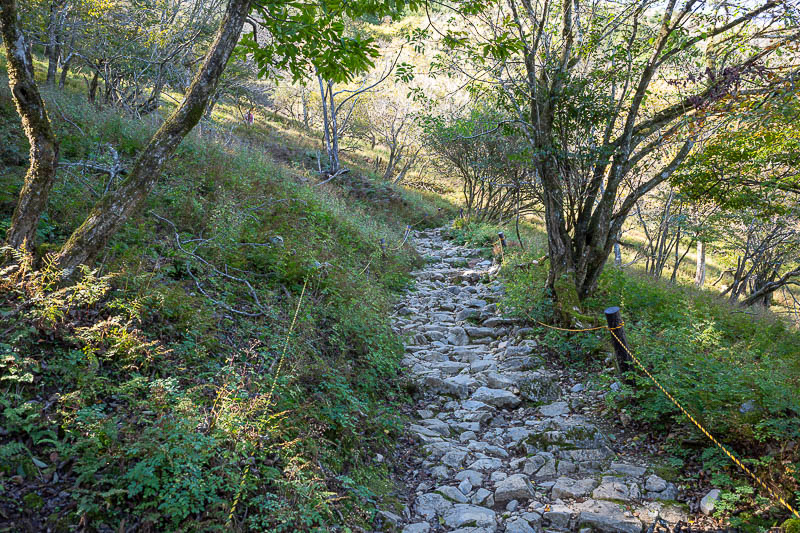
(736, 371)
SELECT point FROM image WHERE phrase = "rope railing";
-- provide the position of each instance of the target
(615, 328)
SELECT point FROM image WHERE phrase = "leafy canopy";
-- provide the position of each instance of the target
(750, 164)
(315, 33)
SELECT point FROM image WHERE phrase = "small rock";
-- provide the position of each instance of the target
(419, 527)
(498, 476)
(519, 526)
(628, 470)
(470, 515)
(555, 409)
(496, 397)
(578, 388)
(708, 501)
(453, 494)
(655, 484)
(747, 406)
(390, 518)
(431, 505)
(614, 489)
(483, 497)
(475, 478)
(458, 337)
(558, 516)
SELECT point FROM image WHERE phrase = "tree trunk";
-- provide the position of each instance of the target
(65, 71)
(304, 100)
(113, 209)
(92, 93)
(334, 132)
(326, 127)
(700, 270)
(36, 124)
(561, 279)
(53, 48)
(70, 57)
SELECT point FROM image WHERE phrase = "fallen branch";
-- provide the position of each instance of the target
(336, 174)
(253, 294)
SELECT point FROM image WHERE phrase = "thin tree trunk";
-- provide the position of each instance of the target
(36, 124)
(92, 92)
(700, 270)
(304, 100)
(65, 71)
(53, 48)
(325, 121)
(334, 132)
(113, 209)
(65, 65)
(516, 223)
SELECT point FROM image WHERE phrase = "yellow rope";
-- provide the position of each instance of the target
(574, 330)
(269, 400)
(403, 242)
(699, 426)
(704, 430)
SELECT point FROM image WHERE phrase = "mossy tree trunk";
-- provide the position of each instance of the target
(36, 124)
(113, 209)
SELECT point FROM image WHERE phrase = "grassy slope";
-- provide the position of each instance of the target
(133, 402)
(715, 358)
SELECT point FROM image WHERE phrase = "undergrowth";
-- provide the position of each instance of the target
(138, 399)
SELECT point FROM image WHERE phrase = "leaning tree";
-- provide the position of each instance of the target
(612, 97)
(293, 35)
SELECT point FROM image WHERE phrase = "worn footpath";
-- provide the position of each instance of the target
(504, 445)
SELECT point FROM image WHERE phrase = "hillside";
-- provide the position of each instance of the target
(156, 391)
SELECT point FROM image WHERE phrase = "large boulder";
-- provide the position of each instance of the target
(607, 517)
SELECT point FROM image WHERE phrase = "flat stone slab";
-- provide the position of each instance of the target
(515, 487)
(555, 409)
(566, 487)
(496, 397)
(607, 517)
(465, 515)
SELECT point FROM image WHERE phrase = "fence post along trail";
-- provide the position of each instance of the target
(626, 360)
(620, 342)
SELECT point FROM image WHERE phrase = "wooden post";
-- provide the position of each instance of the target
(502, 239)
(614, 319)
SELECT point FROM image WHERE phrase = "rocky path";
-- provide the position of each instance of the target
(503, 443)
